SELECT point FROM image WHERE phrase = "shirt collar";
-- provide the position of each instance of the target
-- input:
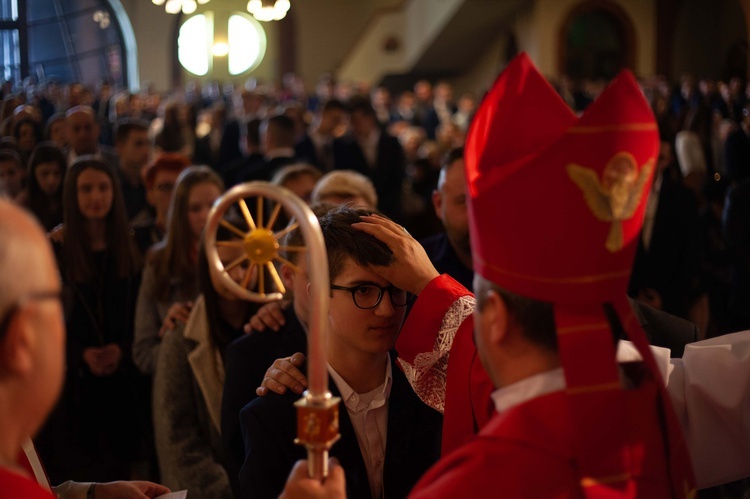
(529, 388)
(347, 392)
(281, 152)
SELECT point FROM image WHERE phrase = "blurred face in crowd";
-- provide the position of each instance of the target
(450, 206)
(11, 177)
(95, 194)
(83, 132)
(200, 200)
(49, 177)
(160, 194)
(135, 149)
(26, 137)
(362, 124)
(302, 186)
(58, 133)
(331, 119)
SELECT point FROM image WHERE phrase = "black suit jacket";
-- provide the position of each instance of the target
(245, 365)
(671, 265)
(266, 169)
(387, 174)
(665, 330)
(269, 428)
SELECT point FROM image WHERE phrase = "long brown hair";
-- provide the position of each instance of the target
(76, 248)
(171, 256)
(47, 208)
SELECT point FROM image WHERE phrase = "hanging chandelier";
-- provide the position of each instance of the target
(268, 10)
(177, 6)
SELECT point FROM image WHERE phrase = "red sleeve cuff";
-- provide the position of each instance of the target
(423, 324)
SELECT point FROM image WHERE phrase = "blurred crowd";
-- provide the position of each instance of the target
(123, 183)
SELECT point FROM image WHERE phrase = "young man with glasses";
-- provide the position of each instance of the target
(388, 436)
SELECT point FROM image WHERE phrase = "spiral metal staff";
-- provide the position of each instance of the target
(317, 410)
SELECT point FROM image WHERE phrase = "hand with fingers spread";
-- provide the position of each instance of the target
(300, 486)
(411, 269)
(284, 373)
(177, 313)
(270, 315)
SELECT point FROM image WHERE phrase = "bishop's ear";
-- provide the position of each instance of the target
(17, 343)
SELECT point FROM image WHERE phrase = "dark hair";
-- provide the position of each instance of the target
(252, 132)
(171, 256)
(344, 241)
(34, 127)
(535, 318)
(333, 104)
(363, 106)
(452, 156)
(48, 209)
(51, 121)
(281, 128)
(125, 126)
(294, 238)
(10, 154)
(76, 246)
(9, 144)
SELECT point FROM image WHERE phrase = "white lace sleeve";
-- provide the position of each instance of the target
(428, 373)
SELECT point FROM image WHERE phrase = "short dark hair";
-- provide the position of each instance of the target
(363, 106)
(124, 126)
(452, 156)
(252, 132)
(535, 318)
(344, 241)
(281, 128)
(333, 104)
(11, 155)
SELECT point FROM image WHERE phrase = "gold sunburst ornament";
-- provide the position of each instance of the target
(617, 196)
(261, 247)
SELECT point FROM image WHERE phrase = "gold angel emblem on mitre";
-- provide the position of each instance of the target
(617, 196)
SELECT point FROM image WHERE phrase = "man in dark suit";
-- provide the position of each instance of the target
(388, 436)
(277, 142)
(450, 251)
(667, 263)
(83, 136)
(316, 146)
(234, 172)
(229, 147)
(374, 153)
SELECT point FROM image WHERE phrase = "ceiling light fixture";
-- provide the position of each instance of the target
(268, 10)
(177, 6)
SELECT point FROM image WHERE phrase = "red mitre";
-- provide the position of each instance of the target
(571, 191)
(556, 204)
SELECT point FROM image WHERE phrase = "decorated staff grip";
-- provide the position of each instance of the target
(317, 411)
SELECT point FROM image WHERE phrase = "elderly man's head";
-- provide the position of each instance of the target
(83, 130)
(32, 332)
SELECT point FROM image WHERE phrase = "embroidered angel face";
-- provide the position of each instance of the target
(617, 196)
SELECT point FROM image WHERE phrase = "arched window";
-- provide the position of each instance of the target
(70, 40)
(596, 41)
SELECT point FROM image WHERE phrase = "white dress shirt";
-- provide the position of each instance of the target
(368, 413)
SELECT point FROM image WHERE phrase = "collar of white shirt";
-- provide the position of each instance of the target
(351, 398)
(281, 152)
(554, 380)
(529, 388)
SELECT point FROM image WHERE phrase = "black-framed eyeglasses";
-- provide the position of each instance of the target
(369, 295)
(37, 296)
